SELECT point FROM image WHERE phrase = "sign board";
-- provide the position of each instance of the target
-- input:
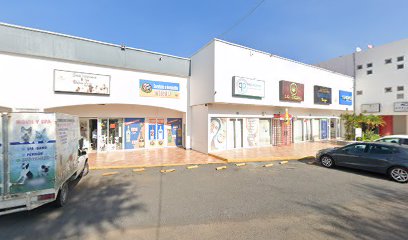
(78, 82)
(358, 133)
(370, 108)
(322, 95)
(247, 87)
(345, 98)
(134, 132)
(148, 88)
(291, 91)
(401, 107)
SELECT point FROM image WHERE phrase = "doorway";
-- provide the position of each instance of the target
(110, 134)
(235, 135)
(93, 134)
(265, 132)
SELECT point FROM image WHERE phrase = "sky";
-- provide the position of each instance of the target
(310, 31)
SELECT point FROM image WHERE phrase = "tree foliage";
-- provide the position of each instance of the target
(366, 122)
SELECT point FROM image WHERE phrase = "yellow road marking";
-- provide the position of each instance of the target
(268, 165)
(221, 168)
(283, 162)
(109, 173)
(138, 170)
(240, 164)
(192, 167)
(167, 170)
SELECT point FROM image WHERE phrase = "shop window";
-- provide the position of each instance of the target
(400, 96)
(388, 61)
(400, 58)
(369, 72)
(400, 66)
(369, 65)
(360, 92)
(388, 89)
(359, 67)
(400, 88)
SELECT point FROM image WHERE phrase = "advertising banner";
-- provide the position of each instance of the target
(291, 91)
(322, 95)
(345, 98)
(158, 89)
(370, 108)
(67, 133)
(134, 133)
(252, 127)
(152, 132)
(323, 128)
(31, 152)
(174, 132)
(160, 132)
(247, 87)
(401, 107)
(78, 82)
(1, 156)
(218, 134)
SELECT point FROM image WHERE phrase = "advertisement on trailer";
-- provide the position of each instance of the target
(31, 152)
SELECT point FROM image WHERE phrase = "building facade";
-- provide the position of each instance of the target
(225, 96)
(241, 97)
(381, 83)
(126, 98)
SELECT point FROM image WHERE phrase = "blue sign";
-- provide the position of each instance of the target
(323, 127)
(158, 89)
(134, 133)
(345, 98)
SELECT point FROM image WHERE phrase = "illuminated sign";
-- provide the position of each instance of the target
(322, 95)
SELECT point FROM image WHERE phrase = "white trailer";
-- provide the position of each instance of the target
(40, 153)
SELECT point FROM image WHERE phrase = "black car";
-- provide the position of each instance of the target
(385, 158)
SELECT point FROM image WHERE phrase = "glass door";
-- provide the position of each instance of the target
(235, 133)
(265, 132)
(110, 134)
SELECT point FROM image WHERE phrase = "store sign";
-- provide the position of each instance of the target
(134, 132)
(322, 95)
(401, 107)
(370, 108)
(77, 82)
(158, 89)
(345, 98)
(247, 87)
(291, 91)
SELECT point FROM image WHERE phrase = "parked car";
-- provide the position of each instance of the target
(400, 139)
(385, 158)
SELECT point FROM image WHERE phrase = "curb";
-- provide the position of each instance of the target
(265, 159)
(150, 166)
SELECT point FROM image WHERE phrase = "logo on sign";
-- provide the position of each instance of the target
(243, 86)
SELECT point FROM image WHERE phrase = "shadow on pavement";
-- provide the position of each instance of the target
(384, 212)
(95, 204)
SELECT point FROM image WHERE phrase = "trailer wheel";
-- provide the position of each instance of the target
(62, 195)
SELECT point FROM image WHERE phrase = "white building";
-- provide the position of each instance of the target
(241, 97)
(226, 96)
(381, 82)
(126, 98)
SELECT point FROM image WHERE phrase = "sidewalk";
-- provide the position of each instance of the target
(148, 158)
(294, 151)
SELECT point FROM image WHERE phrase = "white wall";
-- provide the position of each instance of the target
(342, 64)
(232, 60)
(30, 82)
(384, 75)
(199, 128)
(202, 76)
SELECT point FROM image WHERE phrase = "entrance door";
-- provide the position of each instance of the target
(333, 128)
(265, 132)
(307, 130)
(235, 133)
(297, 131)
(323, 129)
(93, 133)
(110, 134)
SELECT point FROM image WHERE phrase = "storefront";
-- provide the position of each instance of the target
(254, 99)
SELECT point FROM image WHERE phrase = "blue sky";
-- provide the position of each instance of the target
(310, 30)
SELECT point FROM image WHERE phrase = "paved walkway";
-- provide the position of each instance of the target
(149, 158)
(289, 152)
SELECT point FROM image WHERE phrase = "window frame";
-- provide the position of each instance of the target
(369, 72)
(400, 58)
(388, 61)
(400, 66)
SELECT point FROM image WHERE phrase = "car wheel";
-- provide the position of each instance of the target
(327, 161)
(399, 174)
(62, 195)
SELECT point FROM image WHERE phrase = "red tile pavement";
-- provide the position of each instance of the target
(179, 156)
(149, 158)
(288, 152)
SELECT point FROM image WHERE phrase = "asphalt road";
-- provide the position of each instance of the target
(292, 201)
